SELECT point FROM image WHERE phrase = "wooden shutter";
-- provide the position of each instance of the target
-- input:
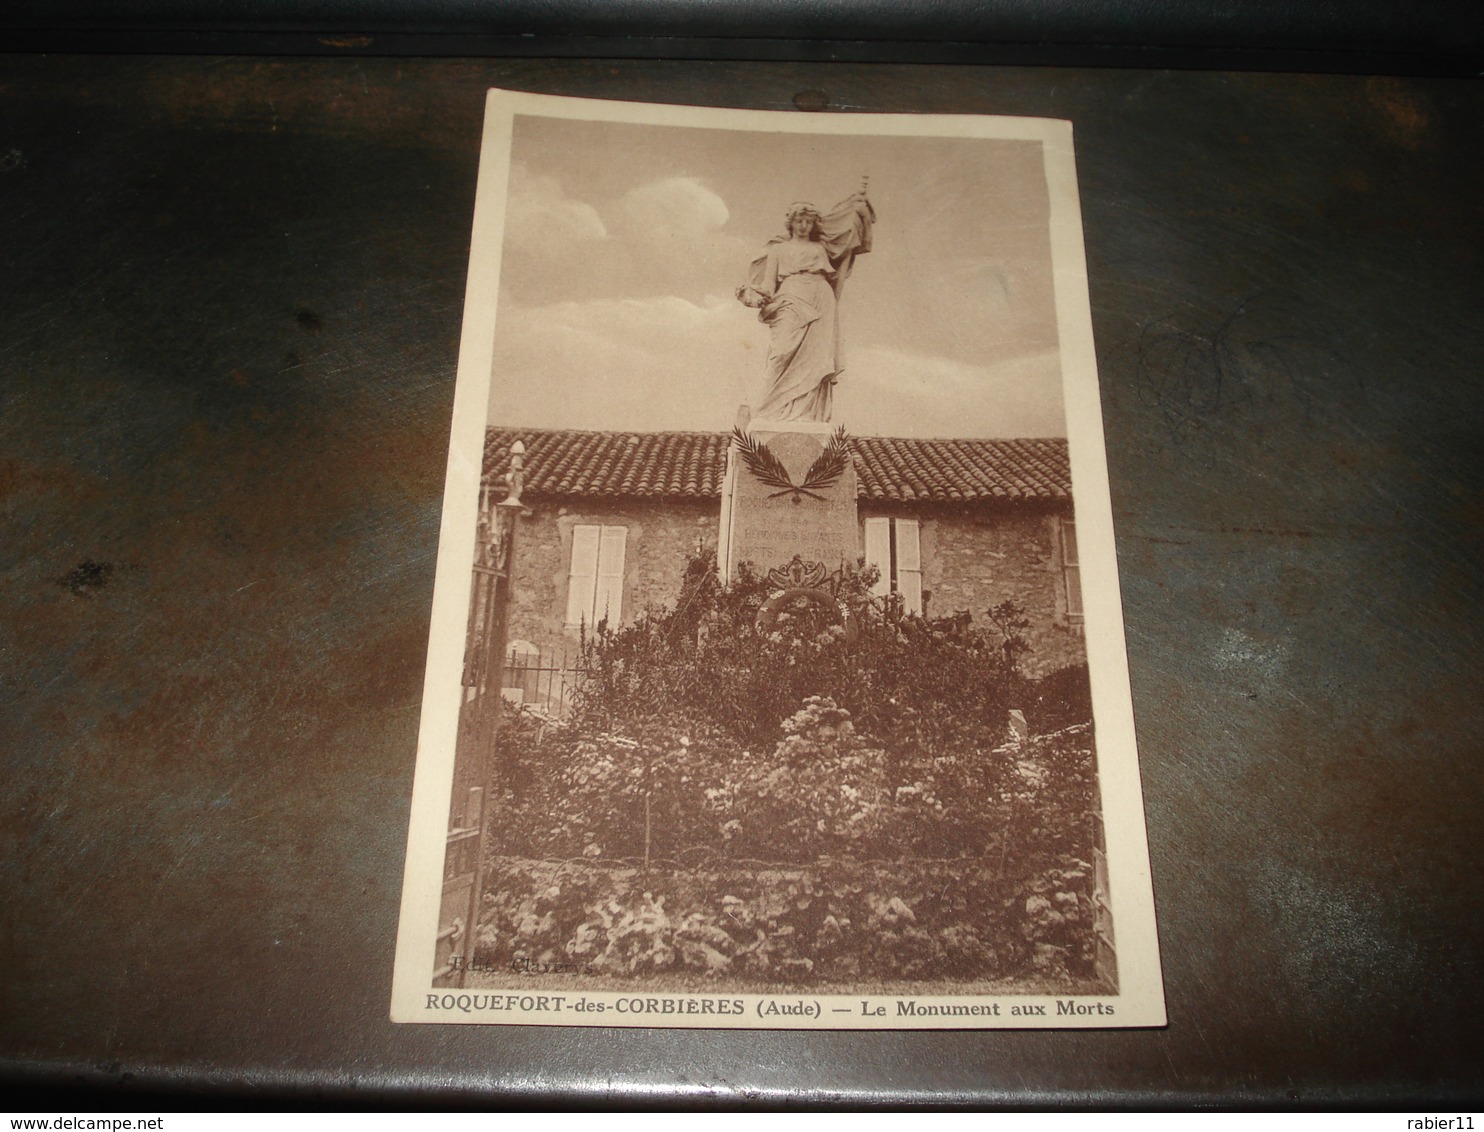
(1071, 569)
(608, 595)
(582, 578)
(878, 553)
(909, 565)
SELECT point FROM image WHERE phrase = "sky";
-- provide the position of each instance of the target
(624, 243)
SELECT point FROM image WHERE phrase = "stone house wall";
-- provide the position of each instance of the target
(972, 558)
(660, 535)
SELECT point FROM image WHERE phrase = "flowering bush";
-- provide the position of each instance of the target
(903, 679)
(679, 792)
(804, 925)
(701, 746)
(820, 790)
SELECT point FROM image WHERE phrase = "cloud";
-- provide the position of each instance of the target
(676, 208)
(672, 238)
(661, 237)
(666, 363)
(540, 217)
(643, 364)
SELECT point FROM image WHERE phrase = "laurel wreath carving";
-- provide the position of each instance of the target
(828, 466)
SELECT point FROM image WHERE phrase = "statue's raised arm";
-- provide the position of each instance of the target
(796, 285)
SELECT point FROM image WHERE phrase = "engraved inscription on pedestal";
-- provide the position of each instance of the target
(768, 519)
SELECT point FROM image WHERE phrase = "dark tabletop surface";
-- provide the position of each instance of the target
(230, 301)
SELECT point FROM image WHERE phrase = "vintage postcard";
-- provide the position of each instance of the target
(776, 674)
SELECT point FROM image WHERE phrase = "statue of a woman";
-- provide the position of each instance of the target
(796, 284)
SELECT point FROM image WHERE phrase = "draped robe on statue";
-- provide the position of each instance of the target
(797, 284)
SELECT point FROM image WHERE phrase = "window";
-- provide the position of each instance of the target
(1071, 572)
(894, 546)
(595, 580)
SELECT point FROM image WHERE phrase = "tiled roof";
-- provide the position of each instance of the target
(957, 471)
(690, 465)
(670, 464)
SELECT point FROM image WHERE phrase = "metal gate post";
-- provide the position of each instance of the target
(473, 766)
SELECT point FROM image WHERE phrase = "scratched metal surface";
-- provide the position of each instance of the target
(230, 294)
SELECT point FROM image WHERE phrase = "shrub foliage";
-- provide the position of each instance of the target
(701, 745)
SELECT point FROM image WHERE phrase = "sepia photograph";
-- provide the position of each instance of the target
(776, 671)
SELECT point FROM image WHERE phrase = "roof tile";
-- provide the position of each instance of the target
(691, 465)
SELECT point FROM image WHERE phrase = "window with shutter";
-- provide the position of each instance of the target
(878, 553)
(608, 593)
(595, 576)
(1071, 570)
(894, 547)
(908, 558)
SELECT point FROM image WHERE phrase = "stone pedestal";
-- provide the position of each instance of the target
(767, 525)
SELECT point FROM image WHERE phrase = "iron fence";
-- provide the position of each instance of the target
(545, 681)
